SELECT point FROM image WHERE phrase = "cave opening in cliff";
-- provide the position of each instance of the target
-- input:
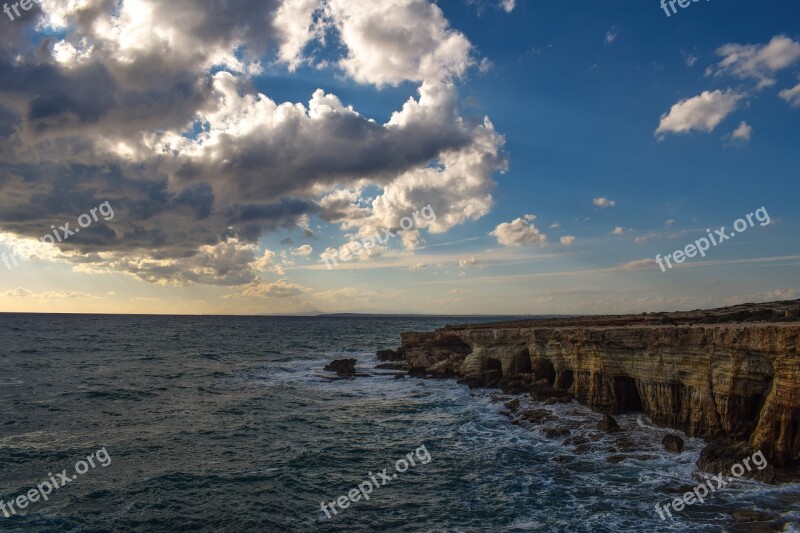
(522, 363)
(564, 379)
(494, 364)
(626, 395)
(544, 369)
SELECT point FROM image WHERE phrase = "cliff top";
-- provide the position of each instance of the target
(770, 312)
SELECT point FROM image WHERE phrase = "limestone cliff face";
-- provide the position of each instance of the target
(735, 381)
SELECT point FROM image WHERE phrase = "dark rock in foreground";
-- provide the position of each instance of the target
(672, 443)
(608, 424)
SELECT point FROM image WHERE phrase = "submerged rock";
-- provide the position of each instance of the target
(575, 440)
(672, 443)
(536, 416)
(556, 432)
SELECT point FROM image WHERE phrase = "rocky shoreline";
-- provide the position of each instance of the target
(730, 376)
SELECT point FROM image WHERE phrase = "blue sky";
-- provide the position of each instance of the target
(562, 145)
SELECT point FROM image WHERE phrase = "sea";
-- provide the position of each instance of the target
(231, 424)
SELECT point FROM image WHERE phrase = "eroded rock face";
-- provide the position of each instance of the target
(703, 372)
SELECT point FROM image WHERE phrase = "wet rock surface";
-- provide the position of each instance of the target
(672, 443)
(344, 368)
(608, 424)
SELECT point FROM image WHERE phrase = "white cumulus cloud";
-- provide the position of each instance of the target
(742, 133)
(519, 232)
(703, 112)
(471, 262)
(603, 202)
(304, 250)
(792, 95)
(758, 62)
(392, 41)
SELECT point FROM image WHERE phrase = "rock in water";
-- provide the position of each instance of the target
(608, 424)
(512, 405)
(672, 442)
(342, 367)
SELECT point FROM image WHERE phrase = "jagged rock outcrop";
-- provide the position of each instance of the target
(730, 373)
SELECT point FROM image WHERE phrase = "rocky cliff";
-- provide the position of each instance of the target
(731, 373)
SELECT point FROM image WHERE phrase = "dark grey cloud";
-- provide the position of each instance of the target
(158, 115)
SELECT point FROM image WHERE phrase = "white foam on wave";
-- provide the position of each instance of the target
(470, 425)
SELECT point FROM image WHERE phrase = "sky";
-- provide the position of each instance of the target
(398, 156)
